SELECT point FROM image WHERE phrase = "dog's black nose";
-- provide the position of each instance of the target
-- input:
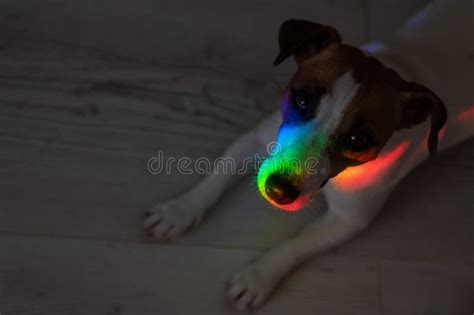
(281, 189)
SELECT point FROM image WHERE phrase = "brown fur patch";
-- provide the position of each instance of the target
(384, 101)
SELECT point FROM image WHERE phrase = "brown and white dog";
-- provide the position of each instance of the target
(382, 109)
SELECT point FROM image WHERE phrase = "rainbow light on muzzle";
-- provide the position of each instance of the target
(289, 156)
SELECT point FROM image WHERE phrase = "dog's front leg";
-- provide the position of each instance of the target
(251, 287)
(172, 218)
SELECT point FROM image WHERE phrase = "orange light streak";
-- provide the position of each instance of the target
(466, 115)
(361, 176)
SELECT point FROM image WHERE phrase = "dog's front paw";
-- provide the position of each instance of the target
(171, 219)
(250, 288)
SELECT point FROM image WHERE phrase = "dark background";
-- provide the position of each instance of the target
(90, 90)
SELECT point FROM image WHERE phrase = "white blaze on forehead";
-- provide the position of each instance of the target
(332, 106)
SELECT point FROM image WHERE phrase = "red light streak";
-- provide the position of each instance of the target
(298, 204)
(361, 176)
(466, 115)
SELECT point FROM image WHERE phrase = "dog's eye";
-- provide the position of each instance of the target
(302, 99)
(304, 102)
(358, 140)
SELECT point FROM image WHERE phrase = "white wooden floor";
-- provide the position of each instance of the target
(89, 92)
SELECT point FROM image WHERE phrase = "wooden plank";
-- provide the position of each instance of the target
(216, 35)
(65, 276)
(426, 288)
(128, 104)
(50, 93)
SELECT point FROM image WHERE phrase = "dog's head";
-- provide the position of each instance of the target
(339, 109)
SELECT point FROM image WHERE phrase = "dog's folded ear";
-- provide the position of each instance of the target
(304, 39)
(418, 103)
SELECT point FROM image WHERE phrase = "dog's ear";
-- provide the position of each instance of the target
(304, 39)
(418, 103)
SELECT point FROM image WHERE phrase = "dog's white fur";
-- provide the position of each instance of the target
(413, 54)
(332, 105)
